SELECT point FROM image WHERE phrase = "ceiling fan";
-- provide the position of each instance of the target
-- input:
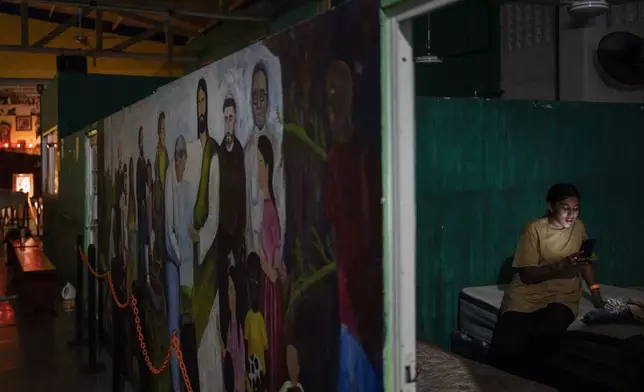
(83, 39)
(582, 13)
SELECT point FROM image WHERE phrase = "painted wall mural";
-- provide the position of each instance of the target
(243, 203)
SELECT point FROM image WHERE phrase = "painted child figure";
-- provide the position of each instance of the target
(293, 367)
(255, 330)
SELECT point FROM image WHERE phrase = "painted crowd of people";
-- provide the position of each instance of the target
(204, 256)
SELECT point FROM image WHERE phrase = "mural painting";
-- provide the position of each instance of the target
(243, 203)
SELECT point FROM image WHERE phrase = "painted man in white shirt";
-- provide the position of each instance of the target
(178, 266)
(203, 232)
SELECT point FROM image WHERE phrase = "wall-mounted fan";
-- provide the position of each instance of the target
(619, 61)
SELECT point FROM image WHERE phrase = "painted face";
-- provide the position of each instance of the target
(331, 101)
(260, 98)
(230, 118)
(565, 212)
(202, 110)
(180, 168)
(262, 172)
(201, 104)
(339, 96)
(162, 132)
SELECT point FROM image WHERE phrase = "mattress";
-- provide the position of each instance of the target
(478, 308)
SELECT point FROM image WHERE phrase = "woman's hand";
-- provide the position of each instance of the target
(596, 299)
(569, 267)
(575, 260)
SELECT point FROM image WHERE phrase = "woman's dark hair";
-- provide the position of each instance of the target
(266, 149)
(229, 373)
(560, 192)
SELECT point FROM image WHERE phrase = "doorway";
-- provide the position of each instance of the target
(398, 102)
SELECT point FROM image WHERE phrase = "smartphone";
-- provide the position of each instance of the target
(588, 247)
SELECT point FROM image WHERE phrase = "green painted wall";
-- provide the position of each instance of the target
(49, 106)
(86, 98)
(73, 100)
(64, 214)
(483, 168)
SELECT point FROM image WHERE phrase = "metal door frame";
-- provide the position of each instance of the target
(399, 124)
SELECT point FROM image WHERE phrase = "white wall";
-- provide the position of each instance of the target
(527, 53)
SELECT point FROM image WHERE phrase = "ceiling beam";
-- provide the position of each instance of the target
(88, 23)
(170, 43)
(136, 39)
(96, 53)
(153, 22)
(99, 30)
(184, 23)
(61, 28)
(24, 23)
(161, 11)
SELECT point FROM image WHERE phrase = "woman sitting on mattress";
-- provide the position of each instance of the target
(543, 298)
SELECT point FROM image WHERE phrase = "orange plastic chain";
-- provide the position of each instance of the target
(174, 344)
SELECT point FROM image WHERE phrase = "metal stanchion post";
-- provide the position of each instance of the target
(118, 343)
(99, 317)
(94, 365)
(80, 269)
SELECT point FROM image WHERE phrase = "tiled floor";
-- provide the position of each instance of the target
(34, 355)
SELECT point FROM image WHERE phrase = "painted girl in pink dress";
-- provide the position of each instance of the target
(271, 262)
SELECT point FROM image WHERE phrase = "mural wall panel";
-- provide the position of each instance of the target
(244, 210)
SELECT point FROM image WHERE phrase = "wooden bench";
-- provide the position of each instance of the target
(35, 282)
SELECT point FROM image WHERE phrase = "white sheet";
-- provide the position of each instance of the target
(479, 306)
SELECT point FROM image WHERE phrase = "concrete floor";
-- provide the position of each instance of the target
(35, 356)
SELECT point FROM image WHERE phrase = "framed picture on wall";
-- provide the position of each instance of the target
(23, 183)
(23, 123)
